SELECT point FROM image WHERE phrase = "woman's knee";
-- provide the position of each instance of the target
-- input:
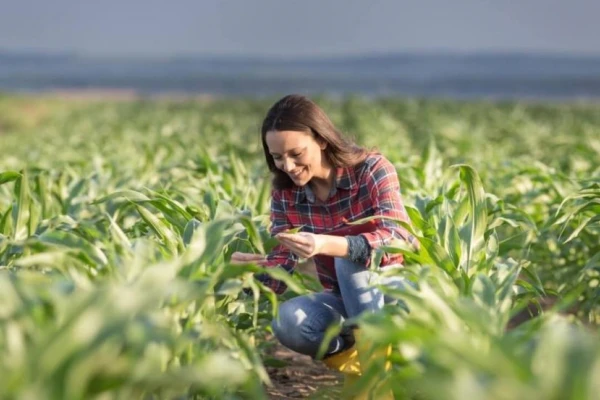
(287, 326)
(289, 317)
(360, 287)
(357, 285)
(397, 284)
(301, 322)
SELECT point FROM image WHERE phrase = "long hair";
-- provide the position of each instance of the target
(298, 113)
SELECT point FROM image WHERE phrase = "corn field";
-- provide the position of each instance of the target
(118, 218)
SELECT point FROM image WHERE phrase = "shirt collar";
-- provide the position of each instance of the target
(344, 179)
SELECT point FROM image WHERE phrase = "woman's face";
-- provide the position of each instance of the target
(298, 154)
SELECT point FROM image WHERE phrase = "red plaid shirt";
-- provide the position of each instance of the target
(370, 188)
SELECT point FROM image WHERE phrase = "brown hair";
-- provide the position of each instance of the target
(298, 113)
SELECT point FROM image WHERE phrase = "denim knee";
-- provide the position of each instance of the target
(287, 328)
(301, 324)
(359, 287)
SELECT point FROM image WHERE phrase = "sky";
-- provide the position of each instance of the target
(288, 28)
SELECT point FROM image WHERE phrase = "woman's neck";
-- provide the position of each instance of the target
(322, 183)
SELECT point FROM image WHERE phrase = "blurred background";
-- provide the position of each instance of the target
(545, 49)
(132, 169)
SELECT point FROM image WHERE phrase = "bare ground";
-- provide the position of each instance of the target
(303, 377)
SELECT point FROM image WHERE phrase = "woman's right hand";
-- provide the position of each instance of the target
(239, 258)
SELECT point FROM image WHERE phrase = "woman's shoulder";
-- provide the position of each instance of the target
(374, 161)
(374, 169)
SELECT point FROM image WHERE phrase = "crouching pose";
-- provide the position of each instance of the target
(322, 181)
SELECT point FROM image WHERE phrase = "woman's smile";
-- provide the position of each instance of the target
(297, 174)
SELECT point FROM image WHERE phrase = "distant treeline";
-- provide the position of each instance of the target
(422, 74)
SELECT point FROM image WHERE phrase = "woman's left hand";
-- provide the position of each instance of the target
(303, 244)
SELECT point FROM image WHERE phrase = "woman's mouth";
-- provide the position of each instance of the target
(296, 175)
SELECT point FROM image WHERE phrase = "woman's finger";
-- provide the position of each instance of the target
(294, 246)
(239, 257)
(296, 241)
(292, 238)
(299, 250)
(247, 256)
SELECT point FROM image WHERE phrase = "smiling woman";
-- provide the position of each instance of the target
(322, 181)
(299, 156)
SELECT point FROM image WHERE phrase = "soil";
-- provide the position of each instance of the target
(303, 377)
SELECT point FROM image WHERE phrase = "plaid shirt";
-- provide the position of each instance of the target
(370, 188)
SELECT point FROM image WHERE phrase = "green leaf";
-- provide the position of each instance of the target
(280, 274)
(160, 228)
(585, 222)
(126, 195)
(452, 241)
(21, 207)
(478, 212)
(484, 290)
(6, 222)
(253, 234)
(190, 228)
(293, 230)
(71, 241)
(117, 233)
(9, 176)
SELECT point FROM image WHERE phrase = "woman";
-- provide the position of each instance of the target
(321, 181)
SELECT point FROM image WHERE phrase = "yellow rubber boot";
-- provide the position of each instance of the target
(349, 363)
(345, 362)
(367, 357)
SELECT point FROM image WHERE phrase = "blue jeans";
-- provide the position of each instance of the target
(302, 321)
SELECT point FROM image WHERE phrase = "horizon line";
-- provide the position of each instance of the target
(23, 52)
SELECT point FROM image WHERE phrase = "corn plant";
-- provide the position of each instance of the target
(117, 221)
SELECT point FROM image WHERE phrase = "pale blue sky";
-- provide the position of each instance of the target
(299, 28)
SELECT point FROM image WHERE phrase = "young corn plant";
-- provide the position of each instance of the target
(117, 221)
(472, 292)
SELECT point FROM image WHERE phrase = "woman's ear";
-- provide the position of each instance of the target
(322, 143)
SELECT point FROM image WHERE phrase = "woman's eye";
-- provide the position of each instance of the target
(296, 155)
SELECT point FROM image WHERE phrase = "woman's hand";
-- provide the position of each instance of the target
(303, 244)
(247, 258)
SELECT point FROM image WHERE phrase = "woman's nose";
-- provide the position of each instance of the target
(288, 165)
